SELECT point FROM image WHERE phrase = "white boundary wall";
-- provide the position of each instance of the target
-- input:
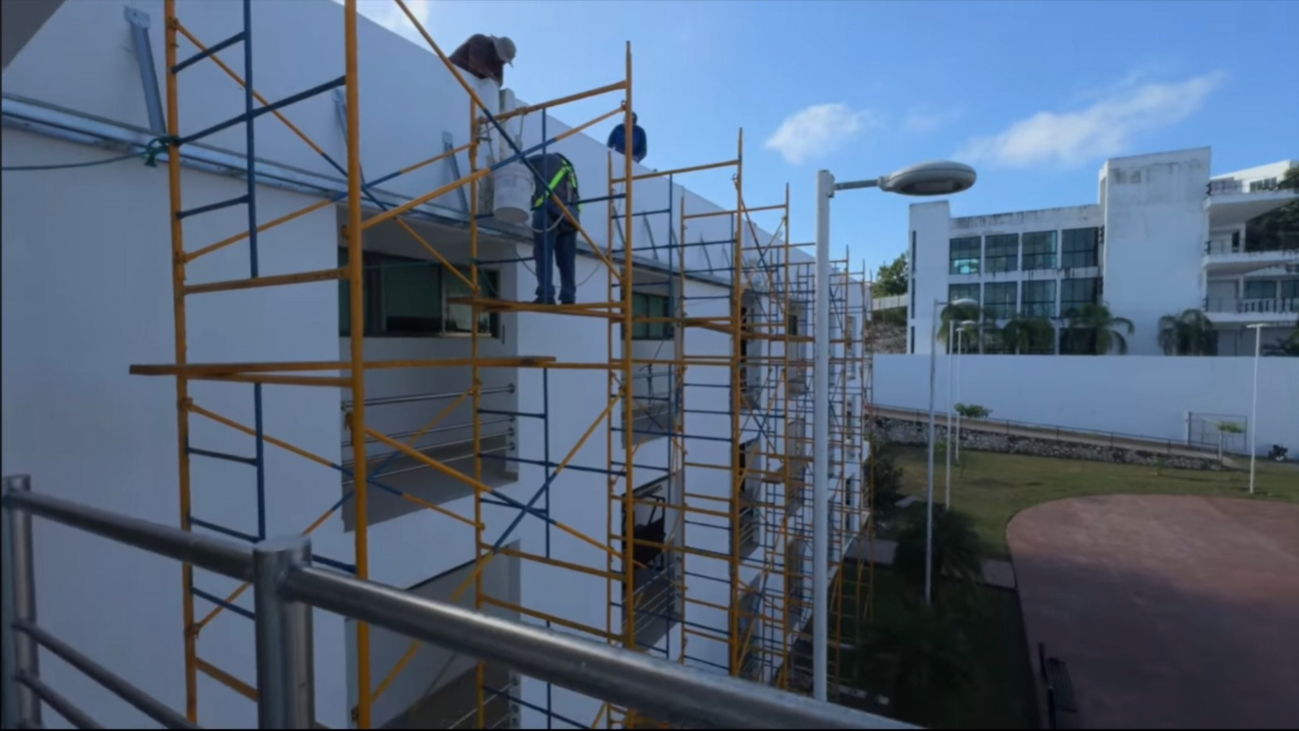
(1143, 395)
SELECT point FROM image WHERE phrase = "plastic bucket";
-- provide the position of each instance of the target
(513, 187)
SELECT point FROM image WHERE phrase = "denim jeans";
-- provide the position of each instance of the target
(554, 245)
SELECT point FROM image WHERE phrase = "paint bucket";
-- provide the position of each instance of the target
(513, 187)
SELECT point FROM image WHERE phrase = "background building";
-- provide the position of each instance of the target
(1164, 237)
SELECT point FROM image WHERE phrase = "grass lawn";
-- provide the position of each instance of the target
(999, 690)
(994, 487)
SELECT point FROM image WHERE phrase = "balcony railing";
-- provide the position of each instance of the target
(1283, 305)
(286, 586)
(1283, 245)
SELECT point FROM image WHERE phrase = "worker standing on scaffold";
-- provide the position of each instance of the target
(485, 57)
(639, 143)
(554, 236)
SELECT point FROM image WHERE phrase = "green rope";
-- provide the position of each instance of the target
(150, 154)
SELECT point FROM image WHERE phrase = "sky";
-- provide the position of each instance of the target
(1034, 95)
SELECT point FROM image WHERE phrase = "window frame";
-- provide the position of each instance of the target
(374, 289)
(1088, 253)
(1052, 253)
(953, 287)
(1245, 289)
(1069, 307)
(1025, 303)
(965, 242)
(640, 307)
(1004, 262)
(1001, 310)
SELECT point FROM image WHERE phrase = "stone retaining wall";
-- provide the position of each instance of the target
(904, 431)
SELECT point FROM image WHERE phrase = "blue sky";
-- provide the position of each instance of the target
(1034, 94)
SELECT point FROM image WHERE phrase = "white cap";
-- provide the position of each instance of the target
(504, 48)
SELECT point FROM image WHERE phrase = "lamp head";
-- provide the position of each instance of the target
(937, 177)
(963, 302)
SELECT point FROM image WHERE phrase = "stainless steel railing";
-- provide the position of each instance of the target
(286, 586)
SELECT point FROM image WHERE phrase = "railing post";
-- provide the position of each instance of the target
(285, 665)
(21, 705)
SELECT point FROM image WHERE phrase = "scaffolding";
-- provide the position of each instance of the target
(755, 305)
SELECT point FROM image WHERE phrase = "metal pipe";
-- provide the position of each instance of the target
(947, 439)
(425, 397)
(621, 676)
(147, 704)
(929, 489)
(821, 437)
(285, 684)
(56, 701)
(21, 574)
(214, 554)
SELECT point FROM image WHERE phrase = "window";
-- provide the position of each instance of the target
(1002, 253)
(912, 347)
(794, 553)
(962, 291)
(1039, 250)
(1265, 184)
(1074, 293)
(1042, 343)
(407, 297)
(650, 306)
(1256, 289)
(999, 298)
(748, 626)
(965, 255)
(1038, 299)
(1081, 247)
(1290, 289)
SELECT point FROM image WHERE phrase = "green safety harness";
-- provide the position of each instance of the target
(566, 169)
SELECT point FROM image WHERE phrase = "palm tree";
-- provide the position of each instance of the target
(1190, 333)
(958, 553)
(1021, 333)
(959, 314)
(1287, 347)
(1094, 330)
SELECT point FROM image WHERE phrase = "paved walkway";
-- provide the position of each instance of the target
(996, 572)
(1171, 612)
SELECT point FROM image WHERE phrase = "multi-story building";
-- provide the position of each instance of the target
(1165, 236)
(632, 468)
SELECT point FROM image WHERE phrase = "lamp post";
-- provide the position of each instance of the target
(954, 444)
(1253, 417)
(927, 178)
(929, 490)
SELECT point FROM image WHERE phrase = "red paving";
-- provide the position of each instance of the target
(1171, 612)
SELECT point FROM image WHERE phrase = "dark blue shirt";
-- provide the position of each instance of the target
(639, 144)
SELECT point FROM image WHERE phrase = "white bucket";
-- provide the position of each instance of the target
(513, 187)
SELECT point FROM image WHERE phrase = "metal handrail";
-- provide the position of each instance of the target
(286, 586)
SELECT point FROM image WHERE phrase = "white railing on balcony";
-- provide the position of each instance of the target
(1282, 305)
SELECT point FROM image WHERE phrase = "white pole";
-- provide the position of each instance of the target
(947, 439)
(1253, 418)
(929, 493)
(959, 341)
(821, 438)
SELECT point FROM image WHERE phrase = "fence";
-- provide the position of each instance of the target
(286, 586)
(1049, 431)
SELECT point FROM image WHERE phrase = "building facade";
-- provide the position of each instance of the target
(1164, 237)
(507, 459)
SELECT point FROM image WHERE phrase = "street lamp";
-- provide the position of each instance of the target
(1253, 418)
(954, 444)
(929, 491)
(926, 178)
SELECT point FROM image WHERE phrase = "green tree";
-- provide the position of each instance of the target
(892, 278)
(1278, 229)
(973, 411)
(1190, 333)
(1288, 347)
(924, 657)
(957, 555)
(885, 475)
(1094, 330)
(1027, 334)
(959, 314)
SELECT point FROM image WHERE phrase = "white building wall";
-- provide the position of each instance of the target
(1155, 228)
(1145, 396)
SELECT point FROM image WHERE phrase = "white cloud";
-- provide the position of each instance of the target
(1104, 129)
(921, 120)
(819, 130)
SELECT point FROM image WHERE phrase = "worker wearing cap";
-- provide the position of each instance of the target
(639, 144)
(554, 237)
(485, 56)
